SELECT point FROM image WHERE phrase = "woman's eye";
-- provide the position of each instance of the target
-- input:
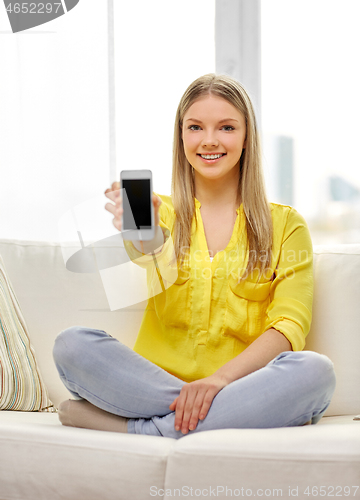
(228, 128)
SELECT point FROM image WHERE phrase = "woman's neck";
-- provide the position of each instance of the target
(215, 194)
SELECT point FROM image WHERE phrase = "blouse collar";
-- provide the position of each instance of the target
(198, 205)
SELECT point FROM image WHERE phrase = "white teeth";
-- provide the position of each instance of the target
(211, 157)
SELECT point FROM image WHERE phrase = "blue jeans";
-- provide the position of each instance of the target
(292, 389)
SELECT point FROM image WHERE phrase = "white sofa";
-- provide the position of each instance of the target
(40, 459)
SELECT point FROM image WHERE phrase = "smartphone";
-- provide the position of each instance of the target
(138, 209)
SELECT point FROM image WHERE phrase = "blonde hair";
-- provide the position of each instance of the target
(251, 188)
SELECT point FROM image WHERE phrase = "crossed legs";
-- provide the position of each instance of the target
(116, 389)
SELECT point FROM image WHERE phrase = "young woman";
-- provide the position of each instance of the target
(222, 347)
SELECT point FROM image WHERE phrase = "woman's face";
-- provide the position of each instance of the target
(213, 126)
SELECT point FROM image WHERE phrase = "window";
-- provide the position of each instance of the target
(160, 48)
(54, 120)
(54, 107)
(310, 109)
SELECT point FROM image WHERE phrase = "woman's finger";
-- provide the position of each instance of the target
(173, 404)
(115, 186)
(115, 208)
(196, 409)
(180, 408)
(156, 200)
(207, 402)
(113, 195)
(204, 409)
(188, 409)
(117, 224)
(116, 211)
(113, 191)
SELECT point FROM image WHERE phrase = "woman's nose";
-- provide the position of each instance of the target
(210, 140)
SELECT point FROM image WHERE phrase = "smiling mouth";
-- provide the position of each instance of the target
(214, 156)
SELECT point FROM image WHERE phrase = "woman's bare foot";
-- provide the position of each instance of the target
(81, 413)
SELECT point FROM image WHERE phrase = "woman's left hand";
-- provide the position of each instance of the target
(194, 401)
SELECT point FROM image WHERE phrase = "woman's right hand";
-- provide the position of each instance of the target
(116, 207)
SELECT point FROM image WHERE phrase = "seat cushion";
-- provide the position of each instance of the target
(268, 459)
(43, 460)
(38, 453)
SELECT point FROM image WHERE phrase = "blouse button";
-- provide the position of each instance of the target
(202, 337)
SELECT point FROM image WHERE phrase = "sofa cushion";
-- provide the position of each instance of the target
(298, 458)
(336, 319)
(22, 387)
(37, 453)
(41, 459)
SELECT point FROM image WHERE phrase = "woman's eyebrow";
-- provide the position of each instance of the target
(221, 121)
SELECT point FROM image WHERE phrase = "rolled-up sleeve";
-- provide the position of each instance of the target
(291, 292)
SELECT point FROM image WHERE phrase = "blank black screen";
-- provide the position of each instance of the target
(136, 204)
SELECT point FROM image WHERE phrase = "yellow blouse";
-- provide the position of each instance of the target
(206, 317)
